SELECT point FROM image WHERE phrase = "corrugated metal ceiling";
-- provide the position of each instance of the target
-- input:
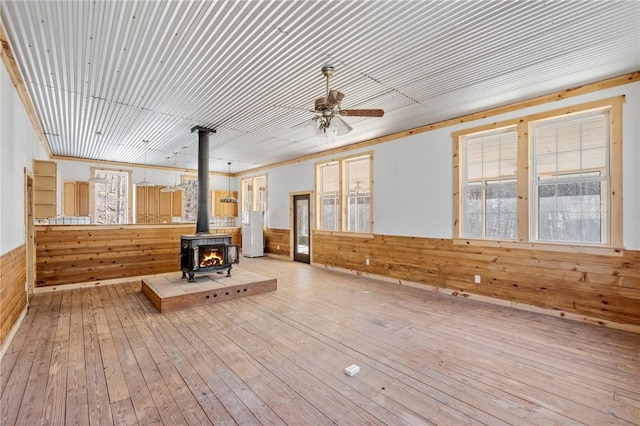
(106, 75)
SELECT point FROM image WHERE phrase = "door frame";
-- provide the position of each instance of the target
(312, 222)
(30, 237)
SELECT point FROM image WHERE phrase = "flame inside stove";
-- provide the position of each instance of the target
(213, 258)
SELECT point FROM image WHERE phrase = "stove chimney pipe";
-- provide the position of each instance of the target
(202, 224)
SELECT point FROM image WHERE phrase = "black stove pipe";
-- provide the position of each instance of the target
(202, 224)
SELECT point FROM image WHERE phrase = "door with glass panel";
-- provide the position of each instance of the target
(301, 234)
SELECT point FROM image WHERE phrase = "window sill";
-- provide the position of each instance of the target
(345, 234)
(558, 247)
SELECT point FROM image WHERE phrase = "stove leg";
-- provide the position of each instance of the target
(191, 278)
(183, 275)
(229, 271)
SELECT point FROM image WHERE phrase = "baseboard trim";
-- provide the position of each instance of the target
(492, 300)
(90, 284)
(12, 332)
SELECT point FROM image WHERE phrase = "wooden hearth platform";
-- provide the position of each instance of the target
(169, 292)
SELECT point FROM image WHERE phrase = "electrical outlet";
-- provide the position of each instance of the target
(476, 279)
(366, 261)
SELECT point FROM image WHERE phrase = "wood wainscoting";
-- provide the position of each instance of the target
(601, 287)
(278, 242)
(88, 253)
(13, 294)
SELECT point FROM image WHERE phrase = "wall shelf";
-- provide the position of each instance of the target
(45, 186)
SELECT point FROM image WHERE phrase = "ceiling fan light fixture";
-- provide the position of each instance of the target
(312, 127)
(339, 126)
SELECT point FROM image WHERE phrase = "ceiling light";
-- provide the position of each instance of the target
(339, 126)
(229, 198)
(145, 182)
(311, 127)
(169, 187)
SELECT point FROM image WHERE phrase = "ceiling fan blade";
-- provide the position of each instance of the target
(334, 98)
(362, 112)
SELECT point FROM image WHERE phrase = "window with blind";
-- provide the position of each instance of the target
(570, 178)
(343, 188)
(490, 162)
(551, 177)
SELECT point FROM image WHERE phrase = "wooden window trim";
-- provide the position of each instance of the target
(523, 237)
(342, 162)
(253, 179)
(92, 194)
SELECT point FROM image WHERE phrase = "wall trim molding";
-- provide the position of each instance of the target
(491, 300)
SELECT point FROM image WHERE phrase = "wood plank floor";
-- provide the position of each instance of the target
(106, 356)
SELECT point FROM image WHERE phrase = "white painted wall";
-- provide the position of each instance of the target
(280, 183)
(19, 145)
(413, 176)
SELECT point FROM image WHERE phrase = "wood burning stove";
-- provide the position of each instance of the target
(204, 251)
(201, 253)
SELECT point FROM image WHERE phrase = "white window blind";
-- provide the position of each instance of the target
(489, 185)
(570, 178)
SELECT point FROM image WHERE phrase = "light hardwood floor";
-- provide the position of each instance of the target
(104, 355)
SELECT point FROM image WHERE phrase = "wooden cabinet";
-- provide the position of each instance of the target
(45, 185)
(224, 209)
(176, 206)
(69, 198)
(75, 198)
(165, 201)
(147, 204)
(82, 197)
(155, 206)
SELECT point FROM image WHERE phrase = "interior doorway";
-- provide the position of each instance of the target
(30, 231)
(301, 228)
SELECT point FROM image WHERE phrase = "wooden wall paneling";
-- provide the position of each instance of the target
(605, 287)
(87, 253)
(13, 275)
(277, 241)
